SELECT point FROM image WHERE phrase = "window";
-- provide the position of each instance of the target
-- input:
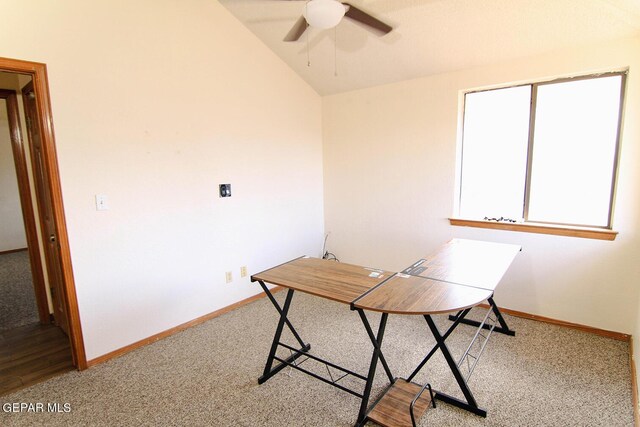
(542, 152)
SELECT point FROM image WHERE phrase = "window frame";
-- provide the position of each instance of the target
(527, 225)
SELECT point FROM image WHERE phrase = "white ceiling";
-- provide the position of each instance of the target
(432, 36)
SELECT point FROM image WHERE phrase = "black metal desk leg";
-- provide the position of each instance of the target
(377, 345)
(269, 370)
(470, 404)
(459, 317)
(275, 304)
(503, 329)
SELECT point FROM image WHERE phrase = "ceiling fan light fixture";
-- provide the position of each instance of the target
(323, 13)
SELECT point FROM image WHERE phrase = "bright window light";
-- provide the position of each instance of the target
(562, 171)
(494, 160)
(576, 128)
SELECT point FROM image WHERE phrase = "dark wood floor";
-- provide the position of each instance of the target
(30, 354)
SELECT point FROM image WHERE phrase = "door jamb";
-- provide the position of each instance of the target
(38, 72)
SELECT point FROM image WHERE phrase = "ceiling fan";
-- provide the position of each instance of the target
(328, 13)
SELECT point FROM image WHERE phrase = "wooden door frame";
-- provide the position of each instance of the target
(45, 209)
(26, 202)
(38, 72)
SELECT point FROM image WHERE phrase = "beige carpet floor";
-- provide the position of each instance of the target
(207, 376)
(17, 297)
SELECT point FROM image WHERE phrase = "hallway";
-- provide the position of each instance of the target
(29, 352)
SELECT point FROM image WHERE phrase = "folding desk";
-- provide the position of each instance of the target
(459, 276)
(471, 263)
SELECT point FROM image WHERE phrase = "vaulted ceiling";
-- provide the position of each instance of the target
(431, 36)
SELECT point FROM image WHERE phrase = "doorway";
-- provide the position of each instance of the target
(42, 252)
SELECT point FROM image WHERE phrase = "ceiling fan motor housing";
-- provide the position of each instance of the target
(323, 13)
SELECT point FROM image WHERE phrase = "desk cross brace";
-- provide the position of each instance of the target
(467, 355)
(503, 329)
(377, 354)
(270, 370)
(327, 364)
(456, 322)
(469, 403)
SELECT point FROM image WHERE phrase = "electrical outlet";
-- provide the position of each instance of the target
(229, 276)
(243, 271)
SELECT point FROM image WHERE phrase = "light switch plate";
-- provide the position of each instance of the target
(102, 202)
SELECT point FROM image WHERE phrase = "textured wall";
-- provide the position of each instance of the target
(390, 171)
(155, 103)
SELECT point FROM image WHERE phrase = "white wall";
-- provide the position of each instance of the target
(155, 103)
(390, 165)
(12, 234)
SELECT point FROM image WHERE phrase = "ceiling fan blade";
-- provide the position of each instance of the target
(297, 30)
(363, 17)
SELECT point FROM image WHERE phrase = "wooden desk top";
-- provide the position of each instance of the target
(469, 262)
(461, 274)
(328, 279)
(405, 294)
